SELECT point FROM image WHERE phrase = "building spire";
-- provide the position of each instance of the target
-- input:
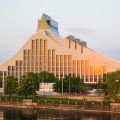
(46, 22)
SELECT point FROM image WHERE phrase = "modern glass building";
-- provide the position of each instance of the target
(47, 50)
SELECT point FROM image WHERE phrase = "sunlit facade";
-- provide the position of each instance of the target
(46, 50)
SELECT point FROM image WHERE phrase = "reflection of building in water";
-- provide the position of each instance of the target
(1, 115)
(27, 112)
(47, 50)
(88, 118)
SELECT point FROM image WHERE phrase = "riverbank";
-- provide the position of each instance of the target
(29, 104)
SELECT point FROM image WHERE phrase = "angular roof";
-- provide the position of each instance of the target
(47, 22)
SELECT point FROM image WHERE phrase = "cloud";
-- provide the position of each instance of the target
(81, 30)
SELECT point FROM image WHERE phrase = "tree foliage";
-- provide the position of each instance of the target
(70, 84)
(10, 85)
(101, 87)
(27, 85)
(113, 83)
(45, 76)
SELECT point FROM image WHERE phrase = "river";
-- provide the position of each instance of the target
(41, 114)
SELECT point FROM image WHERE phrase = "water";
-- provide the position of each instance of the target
(40, 114)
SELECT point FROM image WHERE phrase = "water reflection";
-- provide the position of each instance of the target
(37, 114)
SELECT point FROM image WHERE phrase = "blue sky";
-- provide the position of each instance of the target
(93, 21)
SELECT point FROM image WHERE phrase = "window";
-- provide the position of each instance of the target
(53, 52)
(104, 69)
(25, 52)
(20, 63)
(37, 41)
(29, 52)
(9, 68)
(17, 63)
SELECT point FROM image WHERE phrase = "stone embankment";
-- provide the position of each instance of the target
(113, 107)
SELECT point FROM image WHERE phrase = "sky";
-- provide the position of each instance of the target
(96, 22)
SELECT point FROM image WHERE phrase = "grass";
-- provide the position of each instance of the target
(50, 99)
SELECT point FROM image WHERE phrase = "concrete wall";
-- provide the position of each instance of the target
(52, 105)
(113, 107)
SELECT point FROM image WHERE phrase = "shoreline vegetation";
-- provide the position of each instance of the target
(58, 99)
(58, 103)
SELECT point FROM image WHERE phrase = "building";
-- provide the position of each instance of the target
(47, 50)
(45, 89)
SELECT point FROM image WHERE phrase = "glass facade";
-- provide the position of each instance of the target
(40, 58)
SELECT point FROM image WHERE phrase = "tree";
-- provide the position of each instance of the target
(43, 76)
(34, 77)
(10, 85)
(26, 86)
(70, 84)
(101, 87)
(47, 77)
(58, 86)
(113, 84)
(51, 78)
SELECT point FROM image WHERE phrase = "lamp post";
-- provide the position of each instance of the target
(117, 81)
(42, 86)
(117, 86)
(69, 86)
(33, 88)
(33, 95)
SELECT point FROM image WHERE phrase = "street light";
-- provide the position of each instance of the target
(42, 86)
(117, 80)
(117, 93)
(33, 88)
(69, 86)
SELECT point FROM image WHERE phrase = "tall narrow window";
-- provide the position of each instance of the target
(86, 70)
(91, 73)
(74, 67)
(95, 73)
(65, 65)
(57, 65)
(61, 66)
(104, 69)
(53, 61)
(78, 68)
(100, 72)
(69, 64)
(82, 69)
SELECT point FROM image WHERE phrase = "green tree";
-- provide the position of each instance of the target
(34, 77)
(10, 85)
(77, 85)
(113, 84)
(58, 86)
(51, 78)
(101, 87)
(43, 76)
(47, 77)
(26, 86)
(70, 84)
